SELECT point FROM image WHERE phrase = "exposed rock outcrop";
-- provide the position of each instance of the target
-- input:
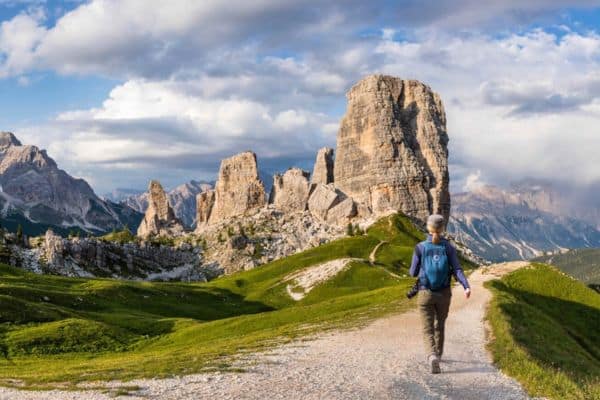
(182, 199)
(392, 148)
(160, 218)
(322, 199)
(290, 190)
(205, 202)
(238, 190)
(343, 212)
(89, 257)
(323, 169)
(243, 242)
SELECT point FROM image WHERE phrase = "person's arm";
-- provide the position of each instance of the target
(415, 265)
(457, 270)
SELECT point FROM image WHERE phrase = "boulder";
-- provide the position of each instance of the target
(159, 218)
(392, 148)
(322, 199)
(343, 212)
(54, 248)
(238, 190)
(323, 169)
(290, 190)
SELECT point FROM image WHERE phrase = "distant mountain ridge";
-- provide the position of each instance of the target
(517, 223)
(583, 264)
(38, 195)
(182, 199)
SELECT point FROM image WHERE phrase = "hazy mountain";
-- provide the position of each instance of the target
(583, 264)
(517, 223)
(182, 199)
(564, 199)
(120, 194)
(35, 193)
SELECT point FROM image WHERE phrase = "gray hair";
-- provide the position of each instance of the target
(435, 222)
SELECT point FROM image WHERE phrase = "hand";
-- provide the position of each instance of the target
(467, 293)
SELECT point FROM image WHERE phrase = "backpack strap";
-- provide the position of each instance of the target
(447, 245)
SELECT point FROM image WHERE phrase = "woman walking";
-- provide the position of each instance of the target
(434, 261)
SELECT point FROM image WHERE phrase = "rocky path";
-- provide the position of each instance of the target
(383, 360)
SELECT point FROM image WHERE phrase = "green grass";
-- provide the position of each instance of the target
(546, 333)
(56, 330)
(583, 264)
(123, 236)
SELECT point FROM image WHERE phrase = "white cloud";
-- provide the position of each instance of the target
(19, 37)
(201, 80)
(131, 121)
(473, 181)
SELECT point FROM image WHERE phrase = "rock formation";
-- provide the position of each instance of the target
(93, 257)
(343, 212)
(290, 190)
(392, 148)
(160, 218)
(205, 202)
(323, 169)
(238, 190)
(182, 200)
(322, 199)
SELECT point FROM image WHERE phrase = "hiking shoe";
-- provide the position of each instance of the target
(434, 361)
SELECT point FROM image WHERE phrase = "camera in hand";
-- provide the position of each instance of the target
(413, 290)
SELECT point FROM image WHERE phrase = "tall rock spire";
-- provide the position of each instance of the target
(238, 190)
(160, 218)
(323, 169)
(392, 147)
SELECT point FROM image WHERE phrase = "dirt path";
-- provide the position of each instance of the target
(374, 252)
(383, 360)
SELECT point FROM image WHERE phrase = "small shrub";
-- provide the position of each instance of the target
(350, 229)
(122, 237)
(162, 240)
(258, 250)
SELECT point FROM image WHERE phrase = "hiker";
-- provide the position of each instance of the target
(434, 261)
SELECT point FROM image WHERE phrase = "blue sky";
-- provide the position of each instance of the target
(121, 92)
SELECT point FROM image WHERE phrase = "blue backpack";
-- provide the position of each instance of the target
(435, 269)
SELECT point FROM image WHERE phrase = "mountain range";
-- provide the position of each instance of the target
(520, 222)
(37, 195)
(583, 264)
(182, 199)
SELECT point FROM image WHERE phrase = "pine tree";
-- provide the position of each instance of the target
(350, 229)
(20, 234)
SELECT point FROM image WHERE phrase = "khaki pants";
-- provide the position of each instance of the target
(433, 307)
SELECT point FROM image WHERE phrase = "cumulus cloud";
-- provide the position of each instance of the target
(200, 81)
(475, 13)
(155, 38)
(19, 37)
(473, 181)
(144, 124)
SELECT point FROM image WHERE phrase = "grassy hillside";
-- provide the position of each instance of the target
(57, 329)
(545, 329)
(583, 264)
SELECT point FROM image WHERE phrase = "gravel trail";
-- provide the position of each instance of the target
(383, 360)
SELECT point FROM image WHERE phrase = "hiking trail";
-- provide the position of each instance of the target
(383, 360)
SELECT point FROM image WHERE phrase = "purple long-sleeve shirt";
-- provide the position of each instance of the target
(459, 275)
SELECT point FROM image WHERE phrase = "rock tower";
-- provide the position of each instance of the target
(392, 148)
(159, 218)
(238, 190)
